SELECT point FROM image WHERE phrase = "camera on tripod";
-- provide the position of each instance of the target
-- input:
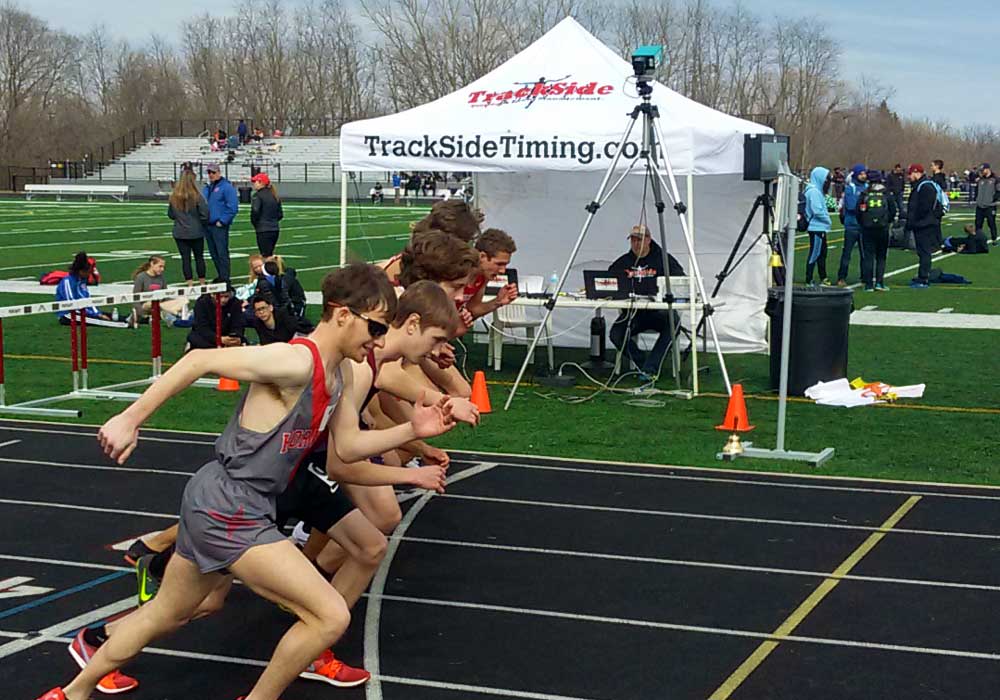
(644, 62)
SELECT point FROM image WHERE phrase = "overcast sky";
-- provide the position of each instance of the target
(941, 58)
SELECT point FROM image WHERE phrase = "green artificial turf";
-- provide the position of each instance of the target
(949, 436)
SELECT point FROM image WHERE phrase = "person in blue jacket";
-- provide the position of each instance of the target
(74, 286)
(856, 185)
(223, 205)
(818, 219)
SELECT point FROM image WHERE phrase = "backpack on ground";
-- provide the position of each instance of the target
(942, 205)
(899, 237)
(873, 208)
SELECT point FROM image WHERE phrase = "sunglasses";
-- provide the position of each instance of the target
(376, 329)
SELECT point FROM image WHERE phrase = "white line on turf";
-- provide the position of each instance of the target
(95, 467)
(373, 611)
(60, 628)
(720, 518)
(946, 310)
(723, 631)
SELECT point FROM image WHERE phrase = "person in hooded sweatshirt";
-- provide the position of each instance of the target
(818, 219)
(855, 187)
(923, 222)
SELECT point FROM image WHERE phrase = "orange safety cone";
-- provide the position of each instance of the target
(480, 395)
(226, 384)
(736, 420)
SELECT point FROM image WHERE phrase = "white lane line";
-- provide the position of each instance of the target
(60, 628)
(702, 564)
(946, 310)
(69, 506)
(722, 518)
(241, 661)
(746, 482)
(868, 308)
(9, 443)
(373, 611)
(95, 467)
(721, 631)
(63, 562)
(93, 435)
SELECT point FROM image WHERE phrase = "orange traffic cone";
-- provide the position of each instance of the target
(226, 384)
(480, 395)
(736, 420)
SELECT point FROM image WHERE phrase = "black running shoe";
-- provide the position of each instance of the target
(136, 551)
(148, 583)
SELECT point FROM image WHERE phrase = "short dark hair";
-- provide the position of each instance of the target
(939, 163)
(262, 297)
(358, 286)
(452, 216)
(430, 303)
(438, 257)
(495, 241)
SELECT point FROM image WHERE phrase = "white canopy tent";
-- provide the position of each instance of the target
(540, 130)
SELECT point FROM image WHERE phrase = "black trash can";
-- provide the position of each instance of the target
(245, 193)
(821, 320)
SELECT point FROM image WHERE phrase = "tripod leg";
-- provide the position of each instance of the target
(592, 209)
(695, 267)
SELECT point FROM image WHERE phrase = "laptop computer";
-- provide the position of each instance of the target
(493, 286)
(601, 284)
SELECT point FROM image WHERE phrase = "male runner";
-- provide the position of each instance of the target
(226, 525)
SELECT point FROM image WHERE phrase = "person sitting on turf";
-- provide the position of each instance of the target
(148, 277)
(974, 243)
(202, 333)
(275, 324)
(74, 286)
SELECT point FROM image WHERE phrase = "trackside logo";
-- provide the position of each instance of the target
(526, 93)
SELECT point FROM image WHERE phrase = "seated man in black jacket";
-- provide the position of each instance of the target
(275, 324)
(645, 259)
(202, 333)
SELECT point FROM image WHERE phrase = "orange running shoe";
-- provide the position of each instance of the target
(54, 694)
(329, 669)
(113, 683)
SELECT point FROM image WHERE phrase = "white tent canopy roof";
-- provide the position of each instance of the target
(560, 104)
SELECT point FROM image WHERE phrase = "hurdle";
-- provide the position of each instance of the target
(78, 347)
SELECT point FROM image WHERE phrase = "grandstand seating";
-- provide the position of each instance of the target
(288, 159)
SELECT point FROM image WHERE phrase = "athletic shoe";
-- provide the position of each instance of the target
(300, 535)
(329, 669)
(113, 683)
(54, 694)
(841, 283)
(136, 550)
(919, 285)
(826, 282)
(869, 289)
(881, 288)
(148, 583)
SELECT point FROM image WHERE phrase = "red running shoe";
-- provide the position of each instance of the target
(54, 694)
(112, 684)
(329, 669)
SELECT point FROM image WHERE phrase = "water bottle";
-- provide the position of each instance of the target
(114, 313)
(553, 283)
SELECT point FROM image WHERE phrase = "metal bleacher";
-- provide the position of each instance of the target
(285, 159)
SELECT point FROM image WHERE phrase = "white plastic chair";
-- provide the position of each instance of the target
(508, 318)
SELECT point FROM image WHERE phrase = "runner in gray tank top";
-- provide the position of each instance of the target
(228, 506)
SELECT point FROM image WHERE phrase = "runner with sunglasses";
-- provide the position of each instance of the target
(227, 511)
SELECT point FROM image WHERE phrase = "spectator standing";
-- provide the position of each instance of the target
(819, 223)
(189, 212)
(428, 185)
(876, 211)
(265, 213)
(895, 183)
(987, 196)
(397, 182)
(412, 183)
(241, 131)
(938, 175)
(853, 189)
(839, 181)
(923, 221)
(223, 205)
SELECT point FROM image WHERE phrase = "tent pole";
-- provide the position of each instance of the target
(592, 209)
(691, 311)
(343, 218)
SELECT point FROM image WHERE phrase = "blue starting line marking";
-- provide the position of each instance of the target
(62, 594)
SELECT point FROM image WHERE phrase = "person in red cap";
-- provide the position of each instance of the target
(265, 213)
(923, 221)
